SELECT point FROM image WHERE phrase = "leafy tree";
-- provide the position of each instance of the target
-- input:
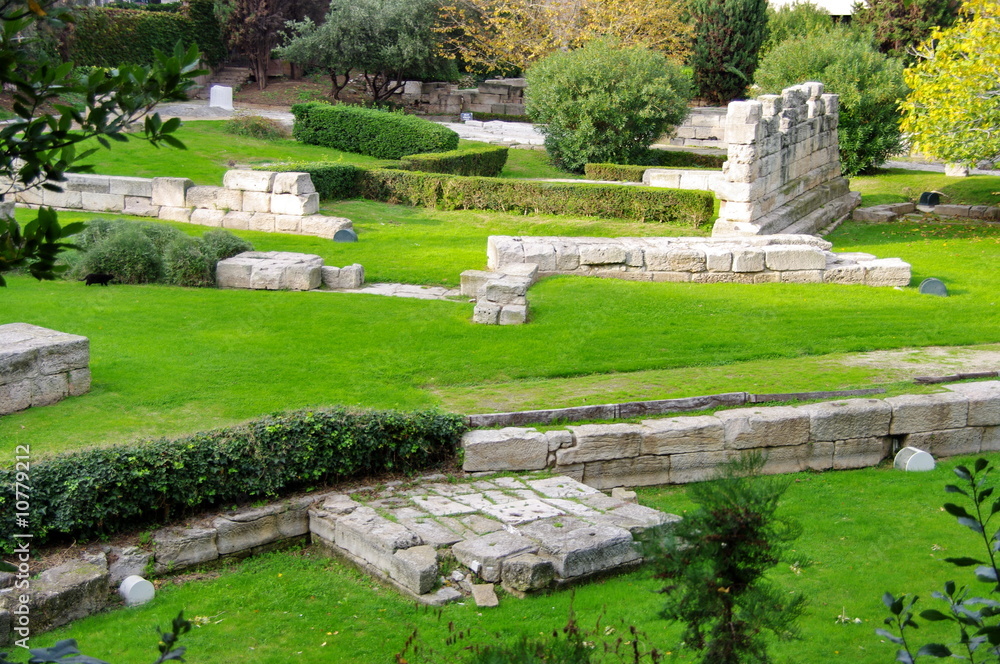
(387, 41)
(899, 25)
(37, 147)
(252, 28)
(714, 562)
(799, 19)
(728, 37)
(869, 83)
(510, 35)
(953, 110)
(974, 617)
(604, 104)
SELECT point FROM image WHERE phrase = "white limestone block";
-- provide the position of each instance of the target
(247, 180)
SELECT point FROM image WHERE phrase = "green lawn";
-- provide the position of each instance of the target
(865, 532)
(896, 185)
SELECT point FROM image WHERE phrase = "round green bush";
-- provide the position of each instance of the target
(129, 255)
(604, 104)
(256, 126)
(220, 244)
(185, 263)
(869, 83)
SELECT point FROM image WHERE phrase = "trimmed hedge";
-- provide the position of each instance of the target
(615, 172)
(503, 117)
(487, 161)
(333, 180)
(653, 159)
(100, 491)
(368, 131)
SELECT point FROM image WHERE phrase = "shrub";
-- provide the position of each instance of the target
(220, 244)
(870, 86)
(604, 104)
(368, 131)
(256, 126)
(185, 264)
(728, 37)
(486, 161)
(129, 255)
(615, 172)
(503, 117)
(800, 19)
(652, 159)
(104, 490)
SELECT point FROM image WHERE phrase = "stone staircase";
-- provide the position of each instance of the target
(233, 77)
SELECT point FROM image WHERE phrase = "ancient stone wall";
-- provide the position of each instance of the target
(704, 127)
(498, 96)
(248, 200)
(39, 367)
(783, 170)
(853, 433)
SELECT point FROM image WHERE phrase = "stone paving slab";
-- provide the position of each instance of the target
(525, 533)
(407, 290)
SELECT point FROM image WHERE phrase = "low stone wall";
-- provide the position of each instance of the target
(39, 367)
(767, 259)
(248, 200)
(704, 127)
(501, 296)
(683, 178)
(853, 433)
(498, 96)
(285, 270)
(892, 211)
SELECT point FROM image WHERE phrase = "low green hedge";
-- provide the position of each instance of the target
(615, 172)
(682, 159)
(487, 161)
(368, 131)
(334, 181)
(99, 491)
(504, 117)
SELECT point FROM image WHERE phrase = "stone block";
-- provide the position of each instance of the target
(527, 572)
(296, 205)
(102, 202)
(170, 192)
(540, 254)
(66, 593)
(678, 435)
(749, 428)
(506, 290)
(63, 199)
(718, 259)
(178, 548)
(86, 183)
(287, 223)
(794, 258)
(887, 272)
(486, 554)
(558, 439)
(246, 180)
(484, 595)
(510, 448)
(597, 442)
(128, 186)
(125, 562)
(47, 390)
(140, 206)
(214, 198)
(503, 250)
(256, 201)
(991, 438)
(206, 217)
(237, 221)
(861, 452)
(852, 418)
(800, 276)
(984, 402)
(236, 536)
(416, 568)
(601, 254)
(473, 280)
(181, 214)
(639, 519)
(352, 276)
(296, 184)
(914, 413)
(323, 226)
(262, 221)
(948, 442)
(577, 552)
(373, 538)
(233, 274)
(79, 381)
(486, 313)
(748, 260)
(631, 471)
(513, 314)
(844, 274)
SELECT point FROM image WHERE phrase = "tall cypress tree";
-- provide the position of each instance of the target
(728, 37)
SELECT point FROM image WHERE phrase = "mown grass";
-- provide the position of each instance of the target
(865, 532)
(897, 185)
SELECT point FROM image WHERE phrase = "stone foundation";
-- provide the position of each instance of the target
(285, 270)
(39, 367)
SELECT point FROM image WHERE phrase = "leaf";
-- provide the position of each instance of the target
(963, 473)
(987, 574)
(971, 524)
(956, 510)
(890, 603)
(889, 635)
(904, 657)
(951, 488)
(934, 650)
(981, 463)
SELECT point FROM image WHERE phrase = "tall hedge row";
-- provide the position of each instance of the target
(368, 131)
(100, 491)
(109, 37)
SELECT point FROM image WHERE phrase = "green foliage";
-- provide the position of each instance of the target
(369, 132)
(486, 161)
(728, 37)
(36, 247)
(614, 172)
(109, 37)
(975, 617)
(799, 19)
(333, 180)
(900, 25)
(129, 255)
(503, 117)
(101, 491)
(652, 159)
(714, 563)
(869, 84)
(219, 244)
(256, 126)
(600, 103)
(185, 263)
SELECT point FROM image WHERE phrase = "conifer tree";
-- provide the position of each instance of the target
(728, 37)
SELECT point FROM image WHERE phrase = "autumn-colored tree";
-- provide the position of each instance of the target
(953, 110)
(498, 35)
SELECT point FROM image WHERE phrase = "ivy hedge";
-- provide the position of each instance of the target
(368, 131)
(97, 492)
(110, 37)
(487, 161)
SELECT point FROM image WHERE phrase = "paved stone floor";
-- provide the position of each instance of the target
(407, 290)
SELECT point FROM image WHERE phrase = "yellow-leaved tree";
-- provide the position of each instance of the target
(499, 35)
(953, 110)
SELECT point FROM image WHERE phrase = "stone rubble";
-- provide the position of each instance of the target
(39, 366)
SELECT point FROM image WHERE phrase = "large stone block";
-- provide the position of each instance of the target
(947, 442)
(214, 198)
(527, 572)
(513, 314)
(914, 413)
(128, 186)
(233, 274)
(473, 280)
(373, 538)
(632, 471)
(295, 205)
(102, 202)
(748, 260)
(677, 435)
(140, 206)
(601, 254)
(485, 555)
(170, 192)
(887, 272)
(576, 552)
(236, 536)
(597, 442)
(239, 221)
(87, 183)
(256, 201)
(415, 568)
(861, 452)
(510, 448)
(776, 426)
(63, 199)
(178, 548)
(65, 593)
(262, 221)
(296, 184)
(853, 418)
(323, 226)
(506, 290)
(206, 217)
(181, 214)
(245, 180)
(984, 402)
(794, 258)
(486, 312)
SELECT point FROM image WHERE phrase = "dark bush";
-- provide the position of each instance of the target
(256, 126)
(504, 117)
(129, 255)
(185, 263)
(100, 491)
(220, 244)
(485, 161)
(333, 180)
(368, 131)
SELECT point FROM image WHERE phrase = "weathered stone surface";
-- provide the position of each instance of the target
(373, 538)
(323, 226)
(431, 532)
(206, 217)
(181, 214)
(416, 568)
(794, 258)
(65, 593)
(913, 413)
(947, 442)
(214, 198)
(677, 435)
(140, 206)
(852, 418)
(238, 221)
(102, 202)
(256, 201)
(860, 452)
(764, 427)
(596, 442)
(527, 572)
(522, 511)
(887, 272)
(297, 184)
(487, 313)
(256, 181)
(513, 314)
(178, 548)
(510, 448)
(295, 205)
(984, 402)
(639, 518)
(696, 466)
(648, 470)
(484, 595)
(442, 596)
(235, 536)
(473, 280)
(39, 366)
(270, 271)
(562, 487)
(485, 555)
(170, 192)
(126, 562)
(625, 495)
(131, 187)
(581, 551)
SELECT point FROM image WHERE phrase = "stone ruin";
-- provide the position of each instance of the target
(285, 270)
(39, 366)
